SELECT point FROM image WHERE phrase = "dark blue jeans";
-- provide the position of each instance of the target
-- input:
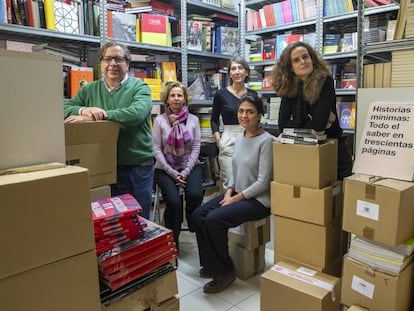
(212, 222)
(138, 181)
(173, 215)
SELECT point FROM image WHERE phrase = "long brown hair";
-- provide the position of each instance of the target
(285, 82)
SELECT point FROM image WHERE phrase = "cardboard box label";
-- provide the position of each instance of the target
(363, 287)
(367, 210)
(305, 278)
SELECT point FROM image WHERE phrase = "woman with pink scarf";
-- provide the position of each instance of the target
(177, 138)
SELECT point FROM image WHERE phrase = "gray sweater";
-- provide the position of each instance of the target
(253, 167)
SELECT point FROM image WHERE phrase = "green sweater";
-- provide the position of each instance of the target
(130, 106)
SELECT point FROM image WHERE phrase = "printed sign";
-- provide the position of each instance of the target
(386, 147)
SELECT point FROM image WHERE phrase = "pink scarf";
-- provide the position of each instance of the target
(178, 138)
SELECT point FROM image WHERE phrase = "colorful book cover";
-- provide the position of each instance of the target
(281, 43)
(49, 14)
(346, 114)
(269, 48)
(112, 208)
(154, 29)
(226, 40)
(168, 71)
(124, 26)
(66, 16)
(78, 77)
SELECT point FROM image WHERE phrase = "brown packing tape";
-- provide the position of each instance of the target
(296, 192)
(260, 235)
(256, 259)
(370, 192)
(368, 233)
(32, 168)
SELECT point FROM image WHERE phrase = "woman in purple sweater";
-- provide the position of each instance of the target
(177, 138)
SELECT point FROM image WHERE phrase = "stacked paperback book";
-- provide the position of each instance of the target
(380, 256)
(128, 246)
(301, 136)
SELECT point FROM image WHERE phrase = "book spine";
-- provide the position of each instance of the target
(49, 14)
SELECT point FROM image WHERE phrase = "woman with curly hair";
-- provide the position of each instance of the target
(302, 79)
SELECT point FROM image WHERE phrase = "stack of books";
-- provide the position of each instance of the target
(128, 246)
(301, 136)
(130, 261)
(116, 221)
(380, 256)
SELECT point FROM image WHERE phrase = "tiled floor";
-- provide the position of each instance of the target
(241, 295)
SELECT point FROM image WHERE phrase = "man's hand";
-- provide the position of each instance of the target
(181, 181)
(94, 113)
(74, 119)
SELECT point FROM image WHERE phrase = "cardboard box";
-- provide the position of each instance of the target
(31, 122)
(354, 308)
(376, 290)
(93, 145)
(287, 286)
(251, 234)
(380, 210)
(333, 268)
(46, 217)
(66, 285)
(151, 295)
(309, 243)
(317, 206)
(304, 165)
(100, 193)
(172, 304)
(247, 262)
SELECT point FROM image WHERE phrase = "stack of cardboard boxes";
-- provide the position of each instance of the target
(48, 260)
(247, 247)
(306, 201)
(381, 210)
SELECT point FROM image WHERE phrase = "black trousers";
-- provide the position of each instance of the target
(212, 222)
(173, 215)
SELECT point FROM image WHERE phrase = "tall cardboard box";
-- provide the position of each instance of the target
(304, 165)
(375, 290)
(381, 210)
(287, 286)
(46, 217)
(309, 243)
(317, 206)
(31, 121)
(65, 285)
(93, 145)
(251, 234)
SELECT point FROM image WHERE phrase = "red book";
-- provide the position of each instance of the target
(112, 208)
(153, 234)
(154, 29)
(139, 259)
(136, 274)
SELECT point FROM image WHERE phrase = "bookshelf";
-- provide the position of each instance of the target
(327, 17)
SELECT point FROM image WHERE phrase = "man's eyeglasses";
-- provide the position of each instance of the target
(117, 59)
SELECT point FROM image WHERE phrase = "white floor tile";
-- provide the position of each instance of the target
(237, 292)
(186, 285)
(252, 303)
(203, 302)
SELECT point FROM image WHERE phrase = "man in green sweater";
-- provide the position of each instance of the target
(119, 98)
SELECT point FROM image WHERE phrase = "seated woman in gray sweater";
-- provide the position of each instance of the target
(247, 197)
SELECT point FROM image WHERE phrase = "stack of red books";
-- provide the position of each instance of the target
(116, 221)
(128, 246)
(133, 260)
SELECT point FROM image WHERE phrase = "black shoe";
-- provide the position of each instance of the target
(219, 283)
(205, 275)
